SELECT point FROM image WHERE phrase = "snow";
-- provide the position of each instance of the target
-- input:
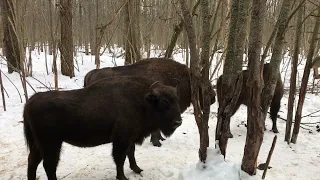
(215, 168)
(178, 156)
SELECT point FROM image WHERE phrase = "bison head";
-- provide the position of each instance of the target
(164, 102)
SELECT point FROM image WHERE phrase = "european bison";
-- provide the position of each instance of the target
(275, 103)
(164, 70)
(121, 110)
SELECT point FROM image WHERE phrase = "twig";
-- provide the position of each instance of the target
(311, 113)
(41, 83)
(2, 93)
(269, 156)
(300, 123)
(13, 85)
(30, 85)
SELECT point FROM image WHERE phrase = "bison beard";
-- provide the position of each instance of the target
(135, 107)
(165, 70)
(275, 103)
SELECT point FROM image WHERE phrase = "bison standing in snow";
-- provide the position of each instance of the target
(164, 70)
(243, 97)
(121, 110)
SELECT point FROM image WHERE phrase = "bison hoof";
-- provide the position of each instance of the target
(230, 135)
(156, 143)
(122, 178)
(161, 138)
(136, 169)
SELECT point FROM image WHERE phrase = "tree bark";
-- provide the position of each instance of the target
(66, 45)
(51, 46)
(293, 77)
(304, 83)
(131, 36)
(268, 90)
(205, 82)
(176, 33)
(10, 40)
(195, 69)
(231, 69)
(255, 128)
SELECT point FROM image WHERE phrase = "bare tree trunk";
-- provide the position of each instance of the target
(92, 26)
(195, 68)
(98, 41)
(233, 66)
(268, 90)
(177, 31)
(51, 46)
(11, 43)
(294, 74)
(205, 82)
(304, 83)
(66, 45)
(130, 36)
(255, 128)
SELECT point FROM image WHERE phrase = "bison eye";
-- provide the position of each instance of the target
(164, 103)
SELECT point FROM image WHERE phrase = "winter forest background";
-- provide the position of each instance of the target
(51, 45)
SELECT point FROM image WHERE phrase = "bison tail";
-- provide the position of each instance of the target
(27, 132)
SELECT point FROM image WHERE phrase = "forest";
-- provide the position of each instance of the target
(252, 83)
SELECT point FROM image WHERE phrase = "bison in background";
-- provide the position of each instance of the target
(164, 70)
(121, 110)
(243, 97)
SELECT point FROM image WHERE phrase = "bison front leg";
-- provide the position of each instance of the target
(119, 155)
(132, 160)
(155, 138)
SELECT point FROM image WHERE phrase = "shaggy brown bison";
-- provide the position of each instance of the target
(275, 103)
(164, 70)
(121, 110)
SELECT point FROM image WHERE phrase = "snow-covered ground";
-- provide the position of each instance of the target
(177, 158)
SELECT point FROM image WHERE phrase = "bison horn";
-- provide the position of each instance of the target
(153, 84)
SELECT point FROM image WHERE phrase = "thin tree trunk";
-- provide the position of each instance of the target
(268, 90)
(130, 36)
(66, 45)
(305, 78)
(255, 128)
(293, 77)
(194, 66)
(177, 31)
(204, 136)
(232, 67)
(51, 46)
(11, 43)
(2, 92)
(98, 38)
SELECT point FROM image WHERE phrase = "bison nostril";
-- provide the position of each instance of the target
(178, 122)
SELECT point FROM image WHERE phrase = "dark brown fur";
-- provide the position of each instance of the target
(165, 70)
(121, 110)
(275, 103)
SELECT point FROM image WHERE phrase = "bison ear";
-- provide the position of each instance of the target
(152, 98)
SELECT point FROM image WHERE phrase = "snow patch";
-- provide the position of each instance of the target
(215, 168)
